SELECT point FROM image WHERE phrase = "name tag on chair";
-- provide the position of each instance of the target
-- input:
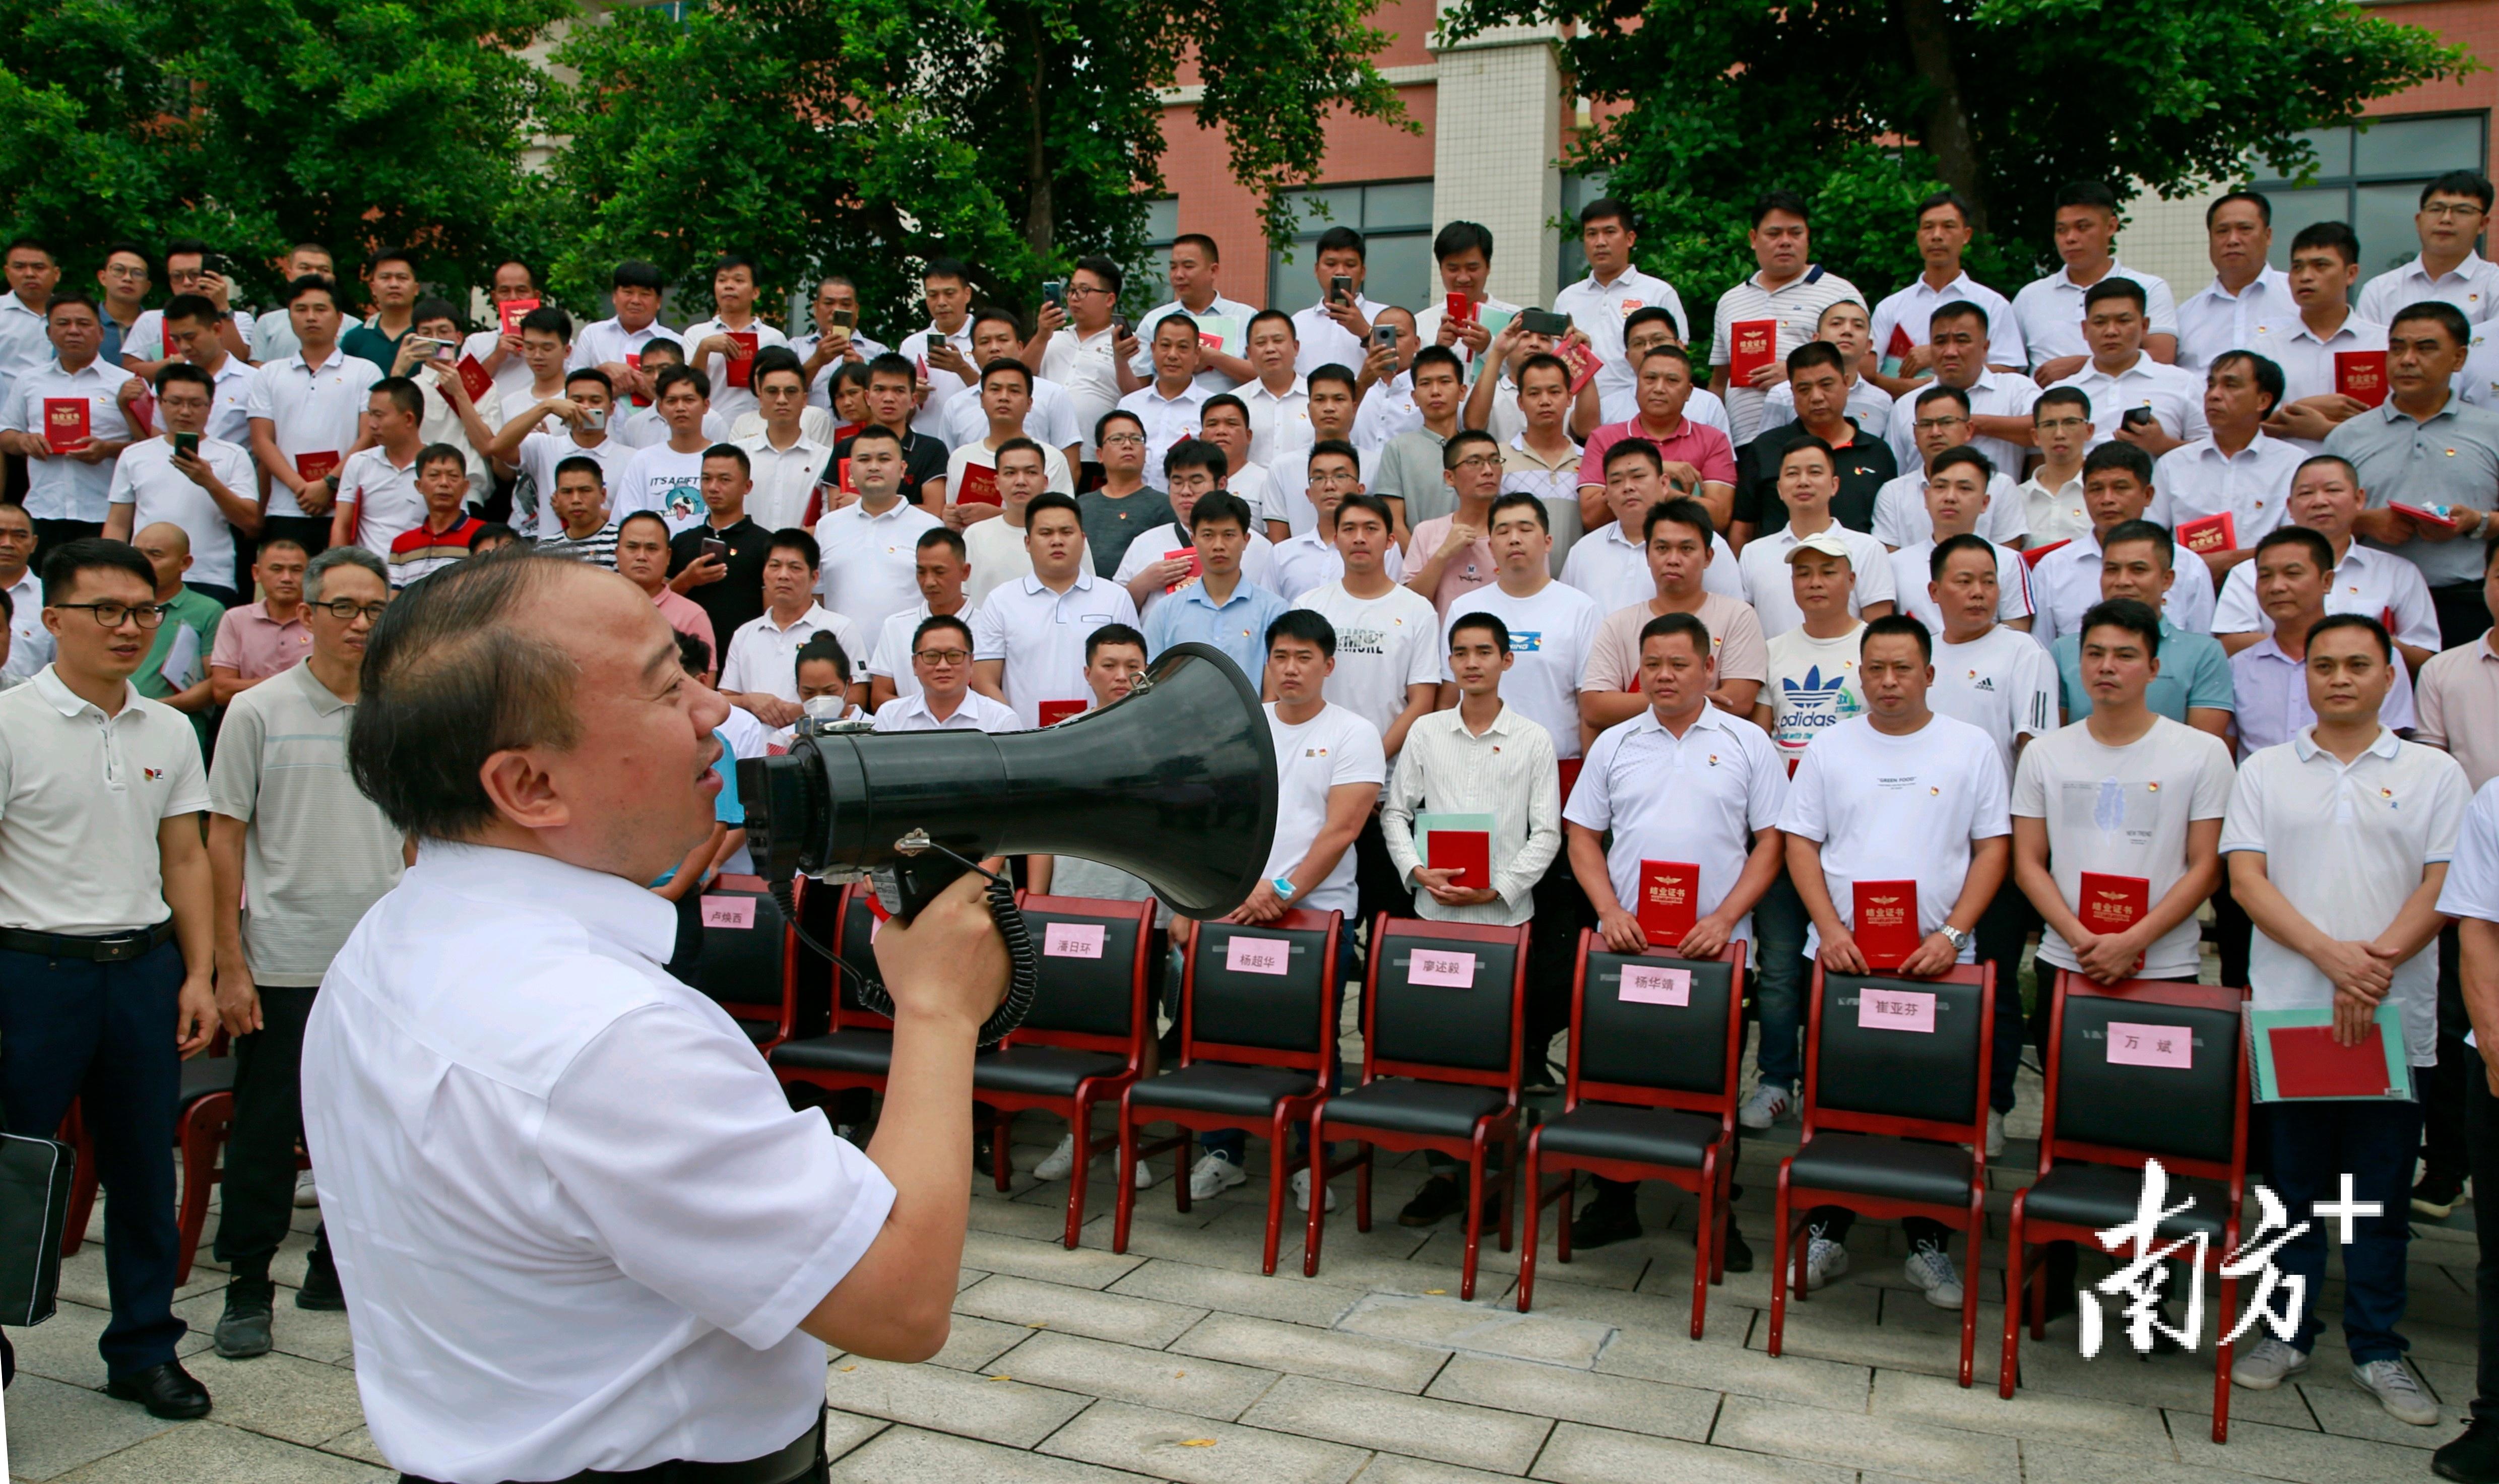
(1072, 940)
(729, 912)
(1440, 966)
(1258, 956)
(1906, 1010)
(2151, 1045)
(1656, 986)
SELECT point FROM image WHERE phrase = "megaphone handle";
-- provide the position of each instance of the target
(905, 889)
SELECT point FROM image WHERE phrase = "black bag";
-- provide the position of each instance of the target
(35, 1177)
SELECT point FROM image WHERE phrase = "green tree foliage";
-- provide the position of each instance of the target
(256, 123)
(1863, 106)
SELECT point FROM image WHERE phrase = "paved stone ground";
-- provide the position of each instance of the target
(1179, 1361)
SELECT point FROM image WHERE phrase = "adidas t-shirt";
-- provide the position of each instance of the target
(1812, 688)
(2002, 683)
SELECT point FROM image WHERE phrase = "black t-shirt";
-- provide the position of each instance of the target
(923, 459)
(1865, 465)
(736, 598)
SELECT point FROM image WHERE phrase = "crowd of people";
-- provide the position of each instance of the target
(1989, 594)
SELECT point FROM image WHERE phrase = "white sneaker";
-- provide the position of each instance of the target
(1764, 1106)
(2265, 1367)
(1302, 1190)
(1056, 1163)
(1994, 1135)
(1931, 1271)
(305, 1197)
(1824, 1260)
(1212, 1175)
(2392, 1383)
(1144, 1175)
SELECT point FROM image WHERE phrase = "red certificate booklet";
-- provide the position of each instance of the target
(64, 422)
(512, 310)
(1469, 851)
(2212, 533)
(1753, 344)
(2111, 904)
(980, 486)
(2032, 556)
(2308, 1064)
(2426, 515)
(1196, 569)
(1885, 928)
(312, 466)
(1583, 363)
(1054, 712)
(473, 377)
(741, 367)
(1899, 345)
(2361, 373)
(1669, 900)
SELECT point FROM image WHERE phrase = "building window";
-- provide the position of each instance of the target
(1395, 221)
(1576, 192)
(2372, 178)
(1148, 282)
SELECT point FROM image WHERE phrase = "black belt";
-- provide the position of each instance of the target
(803, 1459)
(103, 948)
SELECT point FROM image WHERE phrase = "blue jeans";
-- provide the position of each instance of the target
(1233, 1145)
(102, 1033)
(2314, 1144)
(1779, 923)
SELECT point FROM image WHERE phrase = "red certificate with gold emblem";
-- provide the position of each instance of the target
(1885, 928)
(1670, 893)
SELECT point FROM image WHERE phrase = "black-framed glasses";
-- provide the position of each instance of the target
(346, 609)
(112, 615)
(943, 655)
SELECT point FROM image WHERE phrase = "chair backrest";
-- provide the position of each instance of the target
(1639, 1047)
(746, 959)
(1903, 1056)
(2142, 1069)
(1442, 1001)
(1273, 1002)
(854, 931)
(1092, 988)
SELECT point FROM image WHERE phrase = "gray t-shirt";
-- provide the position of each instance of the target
(1110, 525)
(1070, 876)
(318, 853)
(1410, 471)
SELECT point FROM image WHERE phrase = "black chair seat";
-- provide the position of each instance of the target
(1649, 1136)
(2103, 1196)
(1049, 1071)
(1404, 1105)
(206, 1077)
(840, 1052)
(1895, 1169)
(759, 1031)
(1221, 1087)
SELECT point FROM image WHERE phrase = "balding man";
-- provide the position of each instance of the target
(552, 1266)
(176, 670)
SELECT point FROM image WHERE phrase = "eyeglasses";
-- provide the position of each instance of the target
(116, 270)
(2061, 424)
(1479, 460)
(1087, 291)
(1925, 422)
(1116, 438)
(2446, 211)
(942, 655)
(114, 615)
(346, 609)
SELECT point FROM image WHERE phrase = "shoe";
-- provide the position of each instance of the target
(1302, 1191)
(1145, 1177)
(321, 1290)
(1824, 1260)
(2393, 1384)
(2436, 1197)
(242, 1330)
(2265, 1367)
(1769, 1101)
(1739, 1255)
(1931, 1271)
(1439, 1196)
(305, 1197)
(2471, 1458)
(1994, 1133)
(1604, 1221)
(167, 1391)
(1056, 1163)
(1213, 1174)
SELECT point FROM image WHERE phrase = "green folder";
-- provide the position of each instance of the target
(2307, 1060)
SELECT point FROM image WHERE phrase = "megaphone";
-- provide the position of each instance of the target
(1174, 783)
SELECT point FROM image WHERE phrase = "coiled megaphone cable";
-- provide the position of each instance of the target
(1023, 964)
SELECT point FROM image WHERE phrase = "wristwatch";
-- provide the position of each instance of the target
(1955, 936)
(1283, 886)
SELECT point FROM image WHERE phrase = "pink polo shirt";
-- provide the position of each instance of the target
(685, 616)
(1698, 444)
(255, 646)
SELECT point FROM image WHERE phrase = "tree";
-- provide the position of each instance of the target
(1863, 106)
(257, 123)
(872, 135)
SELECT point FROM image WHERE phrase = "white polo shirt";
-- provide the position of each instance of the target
(890, 652)
(385, 497)
(1598, 311)
(1550, 633)
(24, 344)
(1226, 319)
(2347, 845)
(30, 643)
(538, 455)
(1086, 366)
(2002, 683)
(1900, 517)
(1913, 570)
(764, 655)
(975, 712)
(2051, 312)
(577, 1220)
(1325, 343)
(2471, 286)
(1167, 420)
(2472, 888)
(1040, 634)
(2307, 359)
(785, 479)
(606, 341)
(726, 399)
(1994, 393)
(311, 409)
(871, 562)
(2055, 515)
(1279, 422)
(2377, 583)
(60, 488)
(1304, 564)
(1050, 421)
(2252, 486)
(1909, 310)
(642, 427)
(2175, 397)
(1697, 799)
(1055, 475)
(2217, 321)
(145, 478)
(2065, 583)
(1614, 569)
(1795, 304)
(82, 794)
(1770, 589)
(1335, 747)
(513, 379)
(944, 386)
(230, 402)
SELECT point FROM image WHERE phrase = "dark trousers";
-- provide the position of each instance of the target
(1835, 1222)
(2233, 932)
(2463, 614)
(51, 534)
(2003, 929)
(311, 531)
(1552, 958)
(102, 1033)
(259, 1195)
(2482, 1141)
(2443, 1086)
(2314, 1144)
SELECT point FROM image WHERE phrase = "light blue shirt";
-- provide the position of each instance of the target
(2194, 672)
(1238, 626)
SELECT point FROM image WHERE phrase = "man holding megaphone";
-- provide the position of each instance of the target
(578, 1224)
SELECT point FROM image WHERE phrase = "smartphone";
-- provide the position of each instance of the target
(714, 546)
(2137, 417)
(1119, 329)
(594, 418)
(1055, 291)
(186, 444)
(1383, 338)
(845, 319)
(430, 348)
(1340, 289)
(1544, 322)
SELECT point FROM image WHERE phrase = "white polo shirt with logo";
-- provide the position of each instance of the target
(1699, 798)
(871, 562)
(1040, 634)
(58, 487)
(82, 795)
(764, 655)
(385, 497)
(312, 409)
(146, 479)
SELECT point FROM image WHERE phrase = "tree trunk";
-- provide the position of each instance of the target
(1928, 28)
(1040, 217)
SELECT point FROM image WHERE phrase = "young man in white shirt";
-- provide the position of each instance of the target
(638, 427)
(1956, 492)
(2270, 701)
(1223, 420)
(1193, 267)
(942, 697)
(996, 548)
(1312, 559)
(1551, 626)
(2338, 841)
(760, 672)
(1601, 304)
(942, 353)
(1808, 478)
(1679, 552)
(2053, 506)
(1194, 469)
(2134, 396)
(1335, 330)
(2234, 469)
(2455, 210)
(1903, 321)
(584, 415)
(68, 492)
(1942, 422)
(378, 498)
(2246, 291)
(1049, 418)
(1681, 781)
(2051, 309)
(1960, 345)
(1611, 562)
(200, 483)
(1004, 402)
(1079, 347)
(1897, 794)
(939, 569)
(731, 334)
(1328, 399)
(1788, 288)
(787, 463)
(1386, 666)
(1029, 635)
(1463, 249)
(520, 376)
(2117, 488)
(2312, 330)
(869, 548)
(1167, 407)
(273, 335)
(192, 334)
(2327, 497)
(668, 477)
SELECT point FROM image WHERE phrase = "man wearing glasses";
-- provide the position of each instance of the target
(1961, 338)
(1943, 421)
(147, 349)
(941, 660)
(289, 832)
(102, 874)
(2453, 210)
